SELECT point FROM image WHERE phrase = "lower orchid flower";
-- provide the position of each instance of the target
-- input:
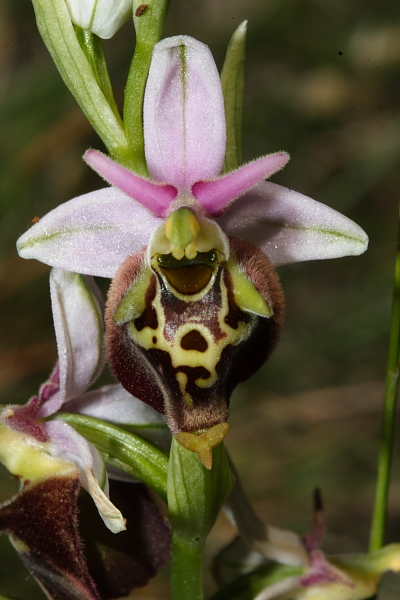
(195, 306)
(284, 566)
(52, 461)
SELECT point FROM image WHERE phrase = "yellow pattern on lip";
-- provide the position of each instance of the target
(202, 442)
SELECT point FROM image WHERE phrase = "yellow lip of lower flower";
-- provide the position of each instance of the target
(30, 460)
(202, 442)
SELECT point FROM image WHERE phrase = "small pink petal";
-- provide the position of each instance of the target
(183, 114)
(25, 419)
(51, 386)
(155, 197)
(323, 572)
(215, 196)
(91, 234)
(290, 227)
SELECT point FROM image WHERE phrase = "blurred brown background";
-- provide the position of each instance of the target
(323, 83)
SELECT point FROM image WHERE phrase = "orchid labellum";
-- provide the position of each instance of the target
(195, 306)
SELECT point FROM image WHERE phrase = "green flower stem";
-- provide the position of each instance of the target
(186, 568)
(232, 81)
(148, 28)
(124, 450)
(388, 416)
(55, 27)
(195, 497)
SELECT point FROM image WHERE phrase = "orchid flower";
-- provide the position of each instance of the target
(290, 566)
(101, 17)
(52, 460)
(195, 306)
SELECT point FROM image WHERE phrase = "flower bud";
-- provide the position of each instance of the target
(102, 17)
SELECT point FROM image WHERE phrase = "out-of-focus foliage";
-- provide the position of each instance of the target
(323, 83)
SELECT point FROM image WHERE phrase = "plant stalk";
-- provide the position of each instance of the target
(388, 416)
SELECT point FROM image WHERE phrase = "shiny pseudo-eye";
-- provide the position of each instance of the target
(188, 276)
(187, 320)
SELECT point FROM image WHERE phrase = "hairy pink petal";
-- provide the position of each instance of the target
(91, 234)
(153, 196)
(290, 227)
(78, 321)
(215, 196)
(184, 119)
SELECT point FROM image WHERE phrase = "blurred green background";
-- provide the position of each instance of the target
(323, 83)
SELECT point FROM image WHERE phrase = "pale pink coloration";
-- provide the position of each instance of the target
(184, 131)
(183, 114)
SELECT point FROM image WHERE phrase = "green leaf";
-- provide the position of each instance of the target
(232, 81)
(124, 450)
(55, 27)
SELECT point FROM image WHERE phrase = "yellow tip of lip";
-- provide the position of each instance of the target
(202, 442)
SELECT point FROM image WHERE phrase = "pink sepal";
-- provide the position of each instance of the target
(290, 227)
(183, 114)
(91, 234)
(78, 321)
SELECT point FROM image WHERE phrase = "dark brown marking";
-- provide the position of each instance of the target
(149, 316)
(154, 340)
(194, 341)
(188, 280)
(141, 10)
(235, 314)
